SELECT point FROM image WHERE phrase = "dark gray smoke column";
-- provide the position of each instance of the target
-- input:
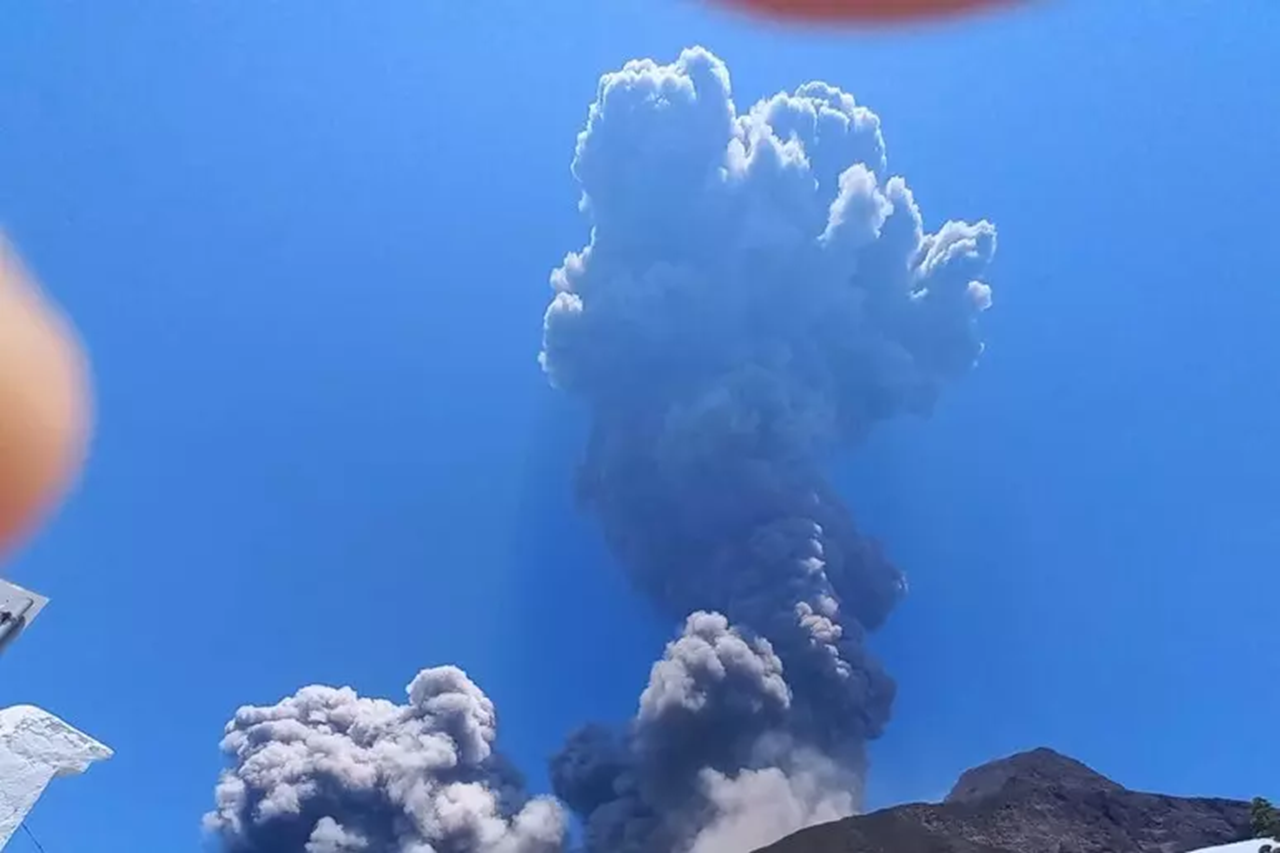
(326, 771)
(756, 294)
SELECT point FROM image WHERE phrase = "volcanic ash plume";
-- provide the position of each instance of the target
(326, 771)
(755, 295)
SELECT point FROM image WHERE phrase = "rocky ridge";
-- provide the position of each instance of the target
(1033, 802)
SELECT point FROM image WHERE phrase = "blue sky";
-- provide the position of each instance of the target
(308, 245)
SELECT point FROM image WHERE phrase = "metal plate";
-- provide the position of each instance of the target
(18, 609)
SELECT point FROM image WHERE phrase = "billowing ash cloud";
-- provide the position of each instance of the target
(327, 771)
(757, 293)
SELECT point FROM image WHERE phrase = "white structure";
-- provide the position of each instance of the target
(35, 748)
(1250, 846)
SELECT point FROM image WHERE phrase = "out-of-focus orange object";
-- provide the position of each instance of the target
(862, 11)
(45, 403)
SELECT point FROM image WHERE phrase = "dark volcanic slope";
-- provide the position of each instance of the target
(1033, 802)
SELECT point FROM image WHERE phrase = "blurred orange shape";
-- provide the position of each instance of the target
(45, 403)
(862, 11)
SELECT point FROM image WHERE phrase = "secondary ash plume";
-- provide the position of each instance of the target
(755, 296)
(327, 771)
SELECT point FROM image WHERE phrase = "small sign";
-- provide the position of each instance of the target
(18, 609)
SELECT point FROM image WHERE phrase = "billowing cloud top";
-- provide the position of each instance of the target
(768, 242)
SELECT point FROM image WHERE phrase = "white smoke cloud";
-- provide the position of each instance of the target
(758, 807)
(329, 837)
